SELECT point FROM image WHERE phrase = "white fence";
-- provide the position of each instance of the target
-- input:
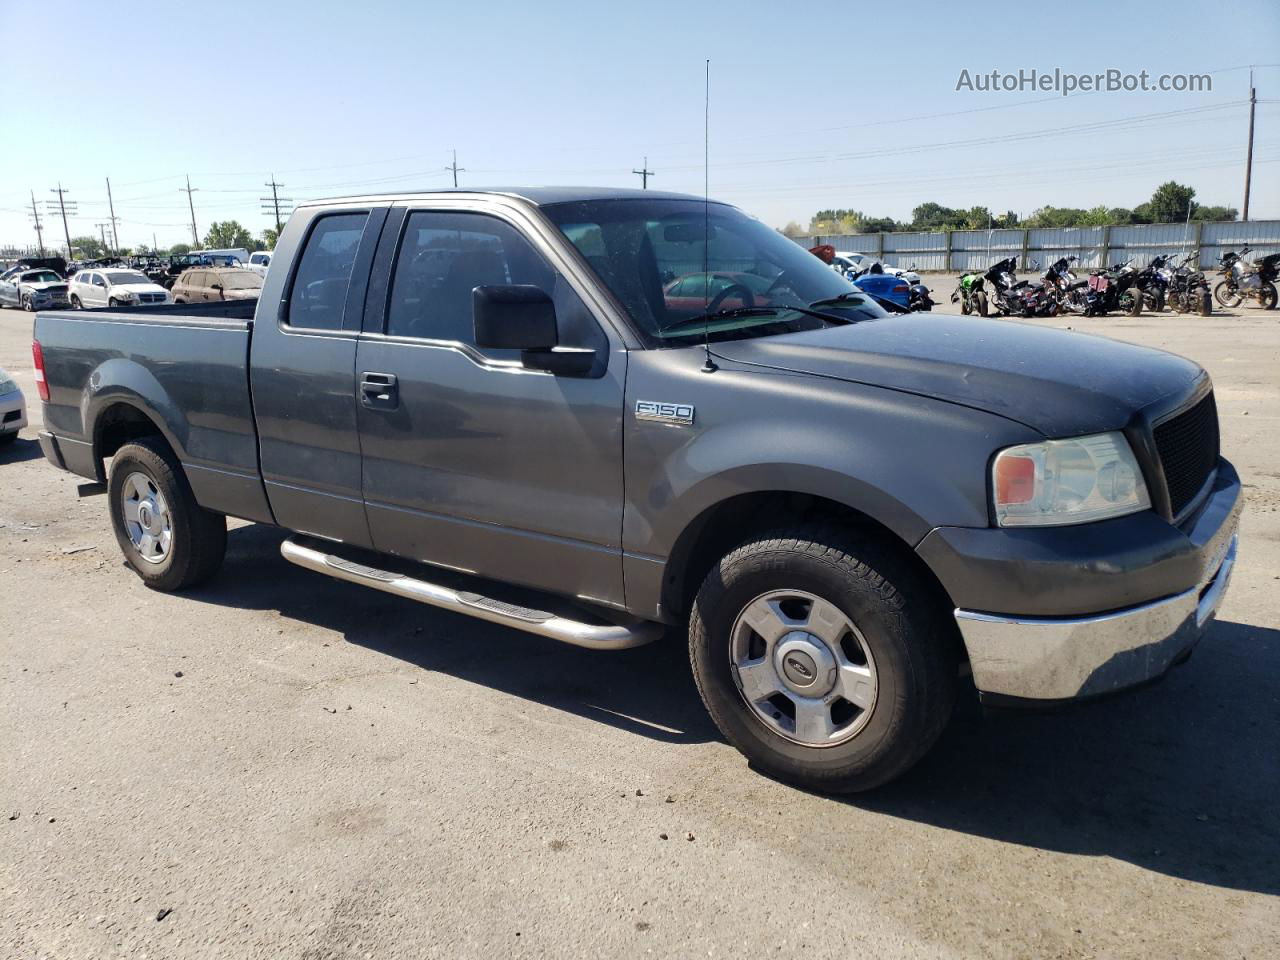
(957, 250)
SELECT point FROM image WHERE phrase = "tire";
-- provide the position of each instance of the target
(1225, 296)
(980, 303)
(26, 303)
(178, 300)
(890, 617)
(1154, 302)
(75, 303)
(1267, 296)
(1204, 303)
(112, 304)
(197, 538)
(965, 307)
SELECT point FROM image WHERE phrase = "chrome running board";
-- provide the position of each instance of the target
(595, 636)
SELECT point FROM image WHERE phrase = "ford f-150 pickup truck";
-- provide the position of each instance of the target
(592, 414)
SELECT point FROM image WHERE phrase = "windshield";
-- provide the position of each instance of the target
(118, 277)
(240, 281)
(41, 276)
(653, 255)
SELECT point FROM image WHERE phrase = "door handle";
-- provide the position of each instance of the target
(380, 390)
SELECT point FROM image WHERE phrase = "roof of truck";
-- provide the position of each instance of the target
(539, 195)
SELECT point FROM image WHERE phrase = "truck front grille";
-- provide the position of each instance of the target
(1188, 448)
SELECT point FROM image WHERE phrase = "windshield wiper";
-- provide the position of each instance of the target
(754, 312)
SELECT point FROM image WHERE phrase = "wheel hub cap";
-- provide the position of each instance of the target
(803, 668)
(805, 664)
(146, 517)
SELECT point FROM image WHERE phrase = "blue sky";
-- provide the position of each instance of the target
(810, 107)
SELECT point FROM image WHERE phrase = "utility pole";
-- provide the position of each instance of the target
(455, 168)
(644, 173)
(102, 231)
(155, 247)
(35, 215)
(62, 206)
(189, 190)
(1248, 157)
(272, 203)
(115, 234)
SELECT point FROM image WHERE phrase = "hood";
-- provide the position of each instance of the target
(1059, 383)
(137, 288)
(47, 285)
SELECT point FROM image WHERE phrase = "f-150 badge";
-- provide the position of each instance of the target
(678, 413)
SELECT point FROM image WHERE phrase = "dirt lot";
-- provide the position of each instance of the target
(296, 767)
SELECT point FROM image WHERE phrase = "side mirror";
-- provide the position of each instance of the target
(523, 317)
(215, 286)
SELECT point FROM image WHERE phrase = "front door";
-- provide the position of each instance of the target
(472, 461)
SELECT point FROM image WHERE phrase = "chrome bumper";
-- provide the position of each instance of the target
(1057, 658)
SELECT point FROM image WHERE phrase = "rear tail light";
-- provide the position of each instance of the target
(37, 356)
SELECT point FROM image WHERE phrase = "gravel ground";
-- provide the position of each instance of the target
(279, 765)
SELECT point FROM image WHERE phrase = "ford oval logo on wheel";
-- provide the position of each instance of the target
(799, 668)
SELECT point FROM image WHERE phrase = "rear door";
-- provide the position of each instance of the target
(303, 370)
(472, 461)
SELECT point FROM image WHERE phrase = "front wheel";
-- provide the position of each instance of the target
(1204, 302)
(26, 303)
(980, 303)
(1267, 296)
(822, 657)
(75, 303)
(170, 540)
(1227, 295)
(1131, 303)
(1154, 301)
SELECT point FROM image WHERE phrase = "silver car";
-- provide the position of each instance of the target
(13, 409)
(36, 289)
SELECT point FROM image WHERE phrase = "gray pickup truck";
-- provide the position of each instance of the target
(591, 414)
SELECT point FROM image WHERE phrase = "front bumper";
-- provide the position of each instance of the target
(1051, 655)
(13, 412)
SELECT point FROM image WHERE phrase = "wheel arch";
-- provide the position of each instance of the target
(119, 414)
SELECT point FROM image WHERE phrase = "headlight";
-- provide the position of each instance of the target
(1060, 482)
(7, 385)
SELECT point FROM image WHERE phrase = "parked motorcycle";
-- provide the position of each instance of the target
(1153, 283)
(1113, 289)
(1061, 285)
(1241, 282)
(1186, 290)
(1009, 295)
(971, 294)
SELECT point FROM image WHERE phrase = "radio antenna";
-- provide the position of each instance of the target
(708, 365)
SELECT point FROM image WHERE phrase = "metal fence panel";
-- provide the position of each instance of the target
(1093, 246)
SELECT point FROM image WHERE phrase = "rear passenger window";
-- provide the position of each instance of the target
(442, 258)
(319, 293)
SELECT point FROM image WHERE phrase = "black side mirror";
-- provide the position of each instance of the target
(523, 317)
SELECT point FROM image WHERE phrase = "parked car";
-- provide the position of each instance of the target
(850, 511)
(200, 284)
(259, 260)
(39, 289)
(13, 409)
(846, 261)
(115, 288)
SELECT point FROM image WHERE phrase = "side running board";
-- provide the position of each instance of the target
(596, 636)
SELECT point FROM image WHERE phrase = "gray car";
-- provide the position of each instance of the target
(511, 405)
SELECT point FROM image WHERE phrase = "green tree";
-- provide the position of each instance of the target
(1170, 203)
(880, 225)
(90, 247)
(271, 236)
(178, 249)
(228, 234)
(1215, 213)
(934, 216)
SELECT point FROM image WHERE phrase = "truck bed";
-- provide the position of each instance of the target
(183, 366)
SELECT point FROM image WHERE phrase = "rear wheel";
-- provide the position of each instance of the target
(980, 303)
(170, 540)
(965, 306)
(822, 658)
(75, 303)
(1154, 301)
(1204, 302)
(1267, 296)
(1131, 302)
